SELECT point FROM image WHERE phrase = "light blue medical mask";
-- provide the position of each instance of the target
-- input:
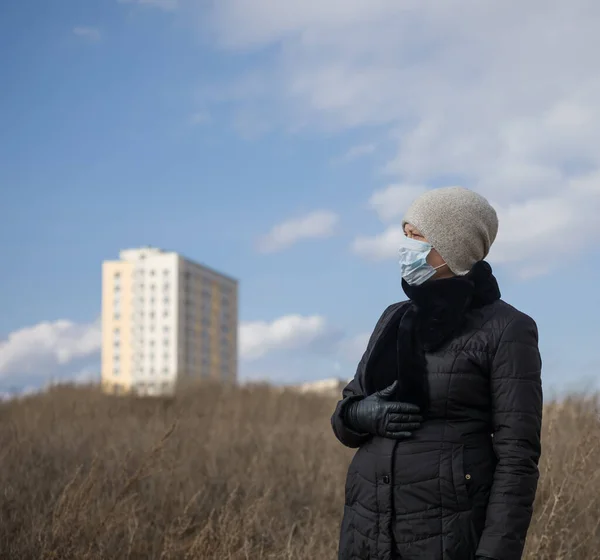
(413, 261)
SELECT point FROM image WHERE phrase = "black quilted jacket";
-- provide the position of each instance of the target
(465, 483)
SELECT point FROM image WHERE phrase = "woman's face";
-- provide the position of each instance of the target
(433, 258)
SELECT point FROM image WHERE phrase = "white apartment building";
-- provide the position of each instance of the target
(165, 319)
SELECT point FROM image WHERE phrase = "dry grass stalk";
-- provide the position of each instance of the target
(229, 474)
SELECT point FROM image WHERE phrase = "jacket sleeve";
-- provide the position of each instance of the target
(516, 391)
(355, 390)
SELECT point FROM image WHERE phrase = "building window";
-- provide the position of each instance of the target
(117, 316)
(116, 369)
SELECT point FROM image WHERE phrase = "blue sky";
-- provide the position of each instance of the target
(281, 145)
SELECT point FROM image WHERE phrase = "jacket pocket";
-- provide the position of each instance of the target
(460, 478)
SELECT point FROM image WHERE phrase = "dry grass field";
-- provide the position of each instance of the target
(229, 474)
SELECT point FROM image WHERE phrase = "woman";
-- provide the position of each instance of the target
(446, 404)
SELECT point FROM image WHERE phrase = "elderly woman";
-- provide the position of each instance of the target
(446, 404)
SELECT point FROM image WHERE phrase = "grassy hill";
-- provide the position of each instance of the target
(229, 474)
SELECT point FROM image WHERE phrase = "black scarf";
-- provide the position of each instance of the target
(436, 313)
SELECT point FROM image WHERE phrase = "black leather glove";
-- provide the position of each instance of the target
(379, 416)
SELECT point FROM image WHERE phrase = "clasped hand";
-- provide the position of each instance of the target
(378, 415)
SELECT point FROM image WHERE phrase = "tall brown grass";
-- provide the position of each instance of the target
(229, 474)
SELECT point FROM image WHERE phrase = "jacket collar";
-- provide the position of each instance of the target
(441, 305)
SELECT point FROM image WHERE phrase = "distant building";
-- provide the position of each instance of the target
(330, 387)
(165, 319)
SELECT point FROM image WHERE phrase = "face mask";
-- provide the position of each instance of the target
(413, 261)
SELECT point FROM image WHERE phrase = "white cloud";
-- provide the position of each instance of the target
(393, 201)
(379, 247)
(64, 351)
(356, 152)
(89, 33)
(532, 232)
(40, 350)
(503, 98)
(290, 332)
(167, 5)
(317, 224)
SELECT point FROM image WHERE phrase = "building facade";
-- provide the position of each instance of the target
(165, 320)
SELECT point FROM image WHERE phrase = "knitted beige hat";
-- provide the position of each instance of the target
(459, 223)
